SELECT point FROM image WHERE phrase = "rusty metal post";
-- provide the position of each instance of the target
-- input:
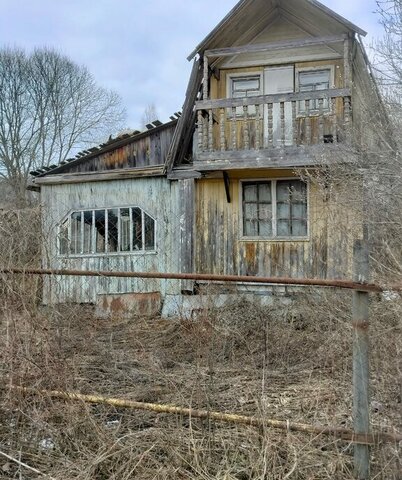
(361, 360)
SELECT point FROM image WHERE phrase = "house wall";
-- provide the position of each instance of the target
(327, 253)
(156, 195)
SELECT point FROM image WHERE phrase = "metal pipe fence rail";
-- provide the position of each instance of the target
(361, 436)
(304, 282)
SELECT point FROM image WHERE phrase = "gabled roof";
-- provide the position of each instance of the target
(248, 17)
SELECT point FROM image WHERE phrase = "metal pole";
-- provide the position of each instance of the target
(361, 360)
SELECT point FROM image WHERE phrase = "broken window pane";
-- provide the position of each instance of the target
(112, 229)
(87, 231)
(100, 231)
(136, 216)
(76, 234)
(149, 226)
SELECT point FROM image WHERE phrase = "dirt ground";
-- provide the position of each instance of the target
(282, 362)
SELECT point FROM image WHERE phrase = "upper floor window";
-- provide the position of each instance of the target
(274, 208)
(312, 81)
(112, 230)
(241, 86)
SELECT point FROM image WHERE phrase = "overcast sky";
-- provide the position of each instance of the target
(137, 48)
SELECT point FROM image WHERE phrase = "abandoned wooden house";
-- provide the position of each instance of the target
(278, 89)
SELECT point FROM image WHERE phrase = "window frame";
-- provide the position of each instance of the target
(93, 253)
(274, 237)
(314, 111)
(229, 91)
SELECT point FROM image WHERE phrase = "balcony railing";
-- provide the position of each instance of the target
(272, 121)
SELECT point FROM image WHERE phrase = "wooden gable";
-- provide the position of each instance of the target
(250, 18)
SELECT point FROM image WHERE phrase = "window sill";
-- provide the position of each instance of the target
(108, 254)
(274, 239)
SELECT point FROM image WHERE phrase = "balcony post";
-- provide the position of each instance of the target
(257, 127)
(205, 81)
(222, 129)
(294, 121)
(246, 135)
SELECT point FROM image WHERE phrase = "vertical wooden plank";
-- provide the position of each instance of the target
(200, 130)
(347, 118)
(210, 130)
(246, 135)
(205, 129)
(294, 122)
(321, 120)
(283, 127)
(361, 397)
(234, 129)
(270, 125)
(186, 220)
(205, 80)
(308, 122)
(222, 129)
(346, 63)
(334, 123)
(257, 127)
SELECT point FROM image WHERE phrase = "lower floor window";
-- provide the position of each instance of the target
(121, 229)
(274, 208)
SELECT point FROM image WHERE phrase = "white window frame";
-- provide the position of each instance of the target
(229, 81)
(93, 253)
(273, 238)
(331, 68)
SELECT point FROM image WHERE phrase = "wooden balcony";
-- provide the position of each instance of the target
(270, 126)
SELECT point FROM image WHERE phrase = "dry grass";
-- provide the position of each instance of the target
(287, 362)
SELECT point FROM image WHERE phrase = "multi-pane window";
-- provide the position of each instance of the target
(312, 81)
(112, 230)
(245, 86)
(275, 208)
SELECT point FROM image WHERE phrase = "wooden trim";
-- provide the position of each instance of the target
(277, 98)
(186, 123)
(100, 176)
(337, 17)
(183, 174)
(226, 181)
(275, 157)
(262, 47)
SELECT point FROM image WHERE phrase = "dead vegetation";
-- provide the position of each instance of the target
(287, 362)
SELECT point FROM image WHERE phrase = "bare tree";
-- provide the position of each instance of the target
(49, 107)
(150, 114)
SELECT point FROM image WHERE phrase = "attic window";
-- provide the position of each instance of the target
(245, 86)
(104, 231)
(313, 81)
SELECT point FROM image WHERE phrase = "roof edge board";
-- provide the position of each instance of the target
(237, 8)
(338, 17)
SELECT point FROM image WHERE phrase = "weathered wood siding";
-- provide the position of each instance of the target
(157, 196)
(149, 149)
(220, 250)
